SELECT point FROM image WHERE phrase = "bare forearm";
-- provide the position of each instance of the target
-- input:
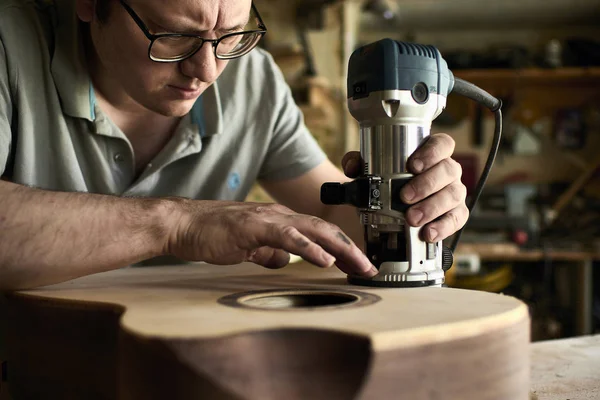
(48, 237)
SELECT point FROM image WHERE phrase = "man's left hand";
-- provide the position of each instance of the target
(436, 193)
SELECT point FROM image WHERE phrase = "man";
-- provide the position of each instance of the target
(119, 143)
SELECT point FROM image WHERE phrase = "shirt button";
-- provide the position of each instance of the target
(119, 157)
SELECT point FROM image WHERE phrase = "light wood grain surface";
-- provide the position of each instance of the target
(177, 301)
(172, 332)
(566, 369)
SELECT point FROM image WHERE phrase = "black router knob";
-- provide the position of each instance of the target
(333, 193)
(447, 259)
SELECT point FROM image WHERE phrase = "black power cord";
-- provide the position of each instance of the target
(479, 95)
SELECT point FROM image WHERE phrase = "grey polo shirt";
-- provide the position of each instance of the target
(53, 135)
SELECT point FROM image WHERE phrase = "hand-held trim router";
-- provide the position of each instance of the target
(395, 91)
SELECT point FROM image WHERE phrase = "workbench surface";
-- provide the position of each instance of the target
(566, 369)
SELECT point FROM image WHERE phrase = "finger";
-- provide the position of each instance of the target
(436, 148)
(289, 239)
(435, 206)
(335, 242)
(269, 257)
(345, 267)
(431, 181)
(352, 164)
(445, 226)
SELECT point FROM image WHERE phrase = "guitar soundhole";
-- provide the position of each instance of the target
(299, 300)
(294, 299)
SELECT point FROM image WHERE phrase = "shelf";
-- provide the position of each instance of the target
(511, 252)
(531, 75)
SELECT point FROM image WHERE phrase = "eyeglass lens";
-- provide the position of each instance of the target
(172, 48)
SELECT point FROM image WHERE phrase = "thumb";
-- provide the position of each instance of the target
(269, 257)
(352, 164)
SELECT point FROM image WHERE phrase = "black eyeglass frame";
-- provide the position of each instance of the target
(215, 42)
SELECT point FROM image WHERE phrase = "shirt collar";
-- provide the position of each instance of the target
(207, 113)
(75, 87)
(68, 65)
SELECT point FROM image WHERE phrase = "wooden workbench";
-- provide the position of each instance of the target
(582, 262)
(566, 369)
(512, 252)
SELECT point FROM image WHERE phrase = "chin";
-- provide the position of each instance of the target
(172, 108)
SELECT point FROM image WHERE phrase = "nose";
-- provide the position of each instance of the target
(202, 65)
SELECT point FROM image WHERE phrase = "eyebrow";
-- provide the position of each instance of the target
(164, 29)
(235, 28)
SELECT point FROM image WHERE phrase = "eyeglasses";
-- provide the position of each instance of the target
(175, 47)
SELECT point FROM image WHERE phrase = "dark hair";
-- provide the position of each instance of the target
(102, 10)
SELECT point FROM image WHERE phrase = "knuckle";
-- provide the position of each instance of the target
(438, 146)
(455, 219)
(248, 217)
(426, 185)
(261, 210)
(456, 168)
(463, 196)
(273, 231)
(432, 151)
(451, 168)
(465, 213)
(289, 231)
(278, 208)
(445, 140)
(458, 217)
(318, 223)
(458, 193)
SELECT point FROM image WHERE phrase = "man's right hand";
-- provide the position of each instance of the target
(48, 237)
(219, 232)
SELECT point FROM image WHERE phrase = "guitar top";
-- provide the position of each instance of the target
(246, 332)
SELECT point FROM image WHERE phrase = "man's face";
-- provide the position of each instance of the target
(127, 73)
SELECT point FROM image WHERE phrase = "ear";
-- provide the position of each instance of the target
(86, 9)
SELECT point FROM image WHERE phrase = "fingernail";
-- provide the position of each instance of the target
(433, 234)
(374, 271)
(416, 216)
(370, 269)
(408, 193)
(329, 260)
(417, 165)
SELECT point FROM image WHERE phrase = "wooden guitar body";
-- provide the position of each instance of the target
(243, 332)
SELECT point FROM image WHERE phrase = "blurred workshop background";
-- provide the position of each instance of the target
(535, 233)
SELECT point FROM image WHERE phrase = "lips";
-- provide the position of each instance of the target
(186, 89)
(186, 93)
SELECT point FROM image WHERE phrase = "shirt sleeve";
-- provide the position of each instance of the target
(5, 112)
(292, 150)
